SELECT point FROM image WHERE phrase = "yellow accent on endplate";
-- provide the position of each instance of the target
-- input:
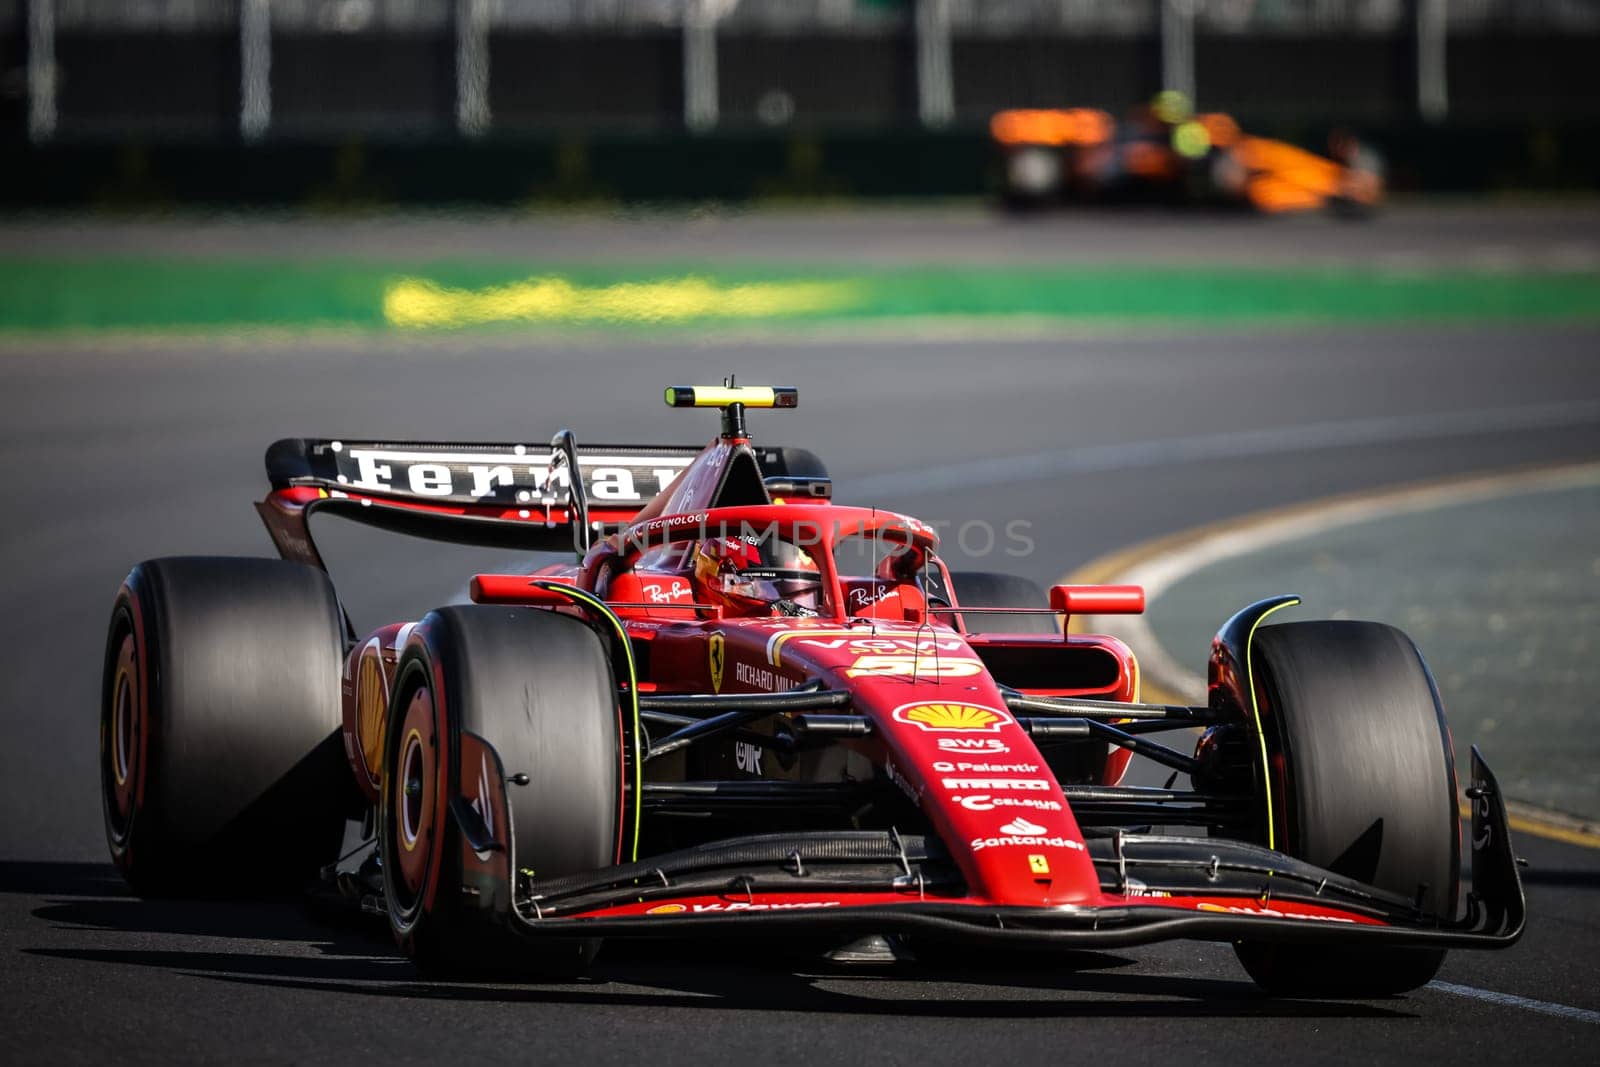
(601, 608)
(1255, 712)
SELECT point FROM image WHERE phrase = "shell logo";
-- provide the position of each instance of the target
(952, 717)
(667, 909)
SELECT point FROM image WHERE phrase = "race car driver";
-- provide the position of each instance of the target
(753, 578)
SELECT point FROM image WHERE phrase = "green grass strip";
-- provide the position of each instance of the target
(172, 294)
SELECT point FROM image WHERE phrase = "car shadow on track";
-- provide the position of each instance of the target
(1563, 878)
(93, 896)
(258, 920)
(352, 955)
(709, 986)
(62, 879)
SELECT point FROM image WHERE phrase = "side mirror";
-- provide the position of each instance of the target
(1097, 599)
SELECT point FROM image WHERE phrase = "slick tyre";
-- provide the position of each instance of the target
(509, 718)
(221, 772)
(989, 590)
(1362, 783)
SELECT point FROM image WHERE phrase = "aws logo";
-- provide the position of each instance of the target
(940, 718)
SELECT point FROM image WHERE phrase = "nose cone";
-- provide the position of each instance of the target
(952, 746)
(986, 789)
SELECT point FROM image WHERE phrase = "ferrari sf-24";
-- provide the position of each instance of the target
(741, 710)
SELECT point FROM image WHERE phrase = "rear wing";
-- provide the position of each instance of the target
(494, 495)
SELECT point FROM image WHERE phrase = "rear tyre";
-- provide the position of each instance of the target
(990, 590)
(512, 714)
(221, 772)
(1363, 783)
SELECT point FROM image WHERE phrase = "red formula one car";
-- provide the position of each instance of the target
(747, 711)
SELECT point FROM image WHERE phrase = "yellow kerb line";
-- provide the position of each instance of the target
(1525, 822)
(418, 303)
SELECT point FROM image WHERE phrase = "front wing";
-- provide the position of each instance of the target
(1153, 888)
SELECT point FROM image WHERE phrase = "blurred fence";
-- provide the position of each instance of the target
(225, 70)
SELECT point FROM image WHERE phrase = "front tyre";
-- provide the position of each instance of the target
(508, 718)
(1362, 782)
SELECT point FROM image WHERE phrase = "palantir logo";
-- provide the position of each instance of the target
(1020, 827)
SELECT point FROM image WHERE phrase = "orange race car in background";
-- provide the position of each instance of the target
(1165, 152)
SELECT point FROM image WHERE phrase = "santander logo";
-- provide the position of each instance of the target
(1022, 828)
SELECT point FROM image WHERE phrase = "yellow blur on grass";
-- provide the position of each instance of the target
(418, 303)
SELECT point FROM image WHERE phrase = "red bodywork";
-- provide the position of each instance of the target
(773, 747)
(941, 729)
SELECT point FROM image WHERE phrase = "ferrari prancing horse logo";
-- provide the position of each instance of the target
(718, 660)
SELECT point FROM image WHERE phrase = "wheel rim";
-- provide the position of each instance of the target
(123, 740)
(413, 797)
(411, 785)
(122, 730)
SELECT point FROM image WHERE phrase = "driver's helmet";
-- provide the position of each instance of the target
(747, 576)
(1171, 108)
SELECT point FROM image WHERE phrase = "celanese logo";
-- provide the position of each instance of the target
(986, 802)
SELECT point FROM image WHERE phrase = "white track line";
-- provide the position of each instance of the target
(1543, 1007)
(1239, 444)
(1231, 445)
(1253, 534)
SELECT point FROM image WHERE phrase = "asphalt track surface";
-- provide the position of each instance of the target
(1507, 634)
(115, 452)
(1465, 236)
